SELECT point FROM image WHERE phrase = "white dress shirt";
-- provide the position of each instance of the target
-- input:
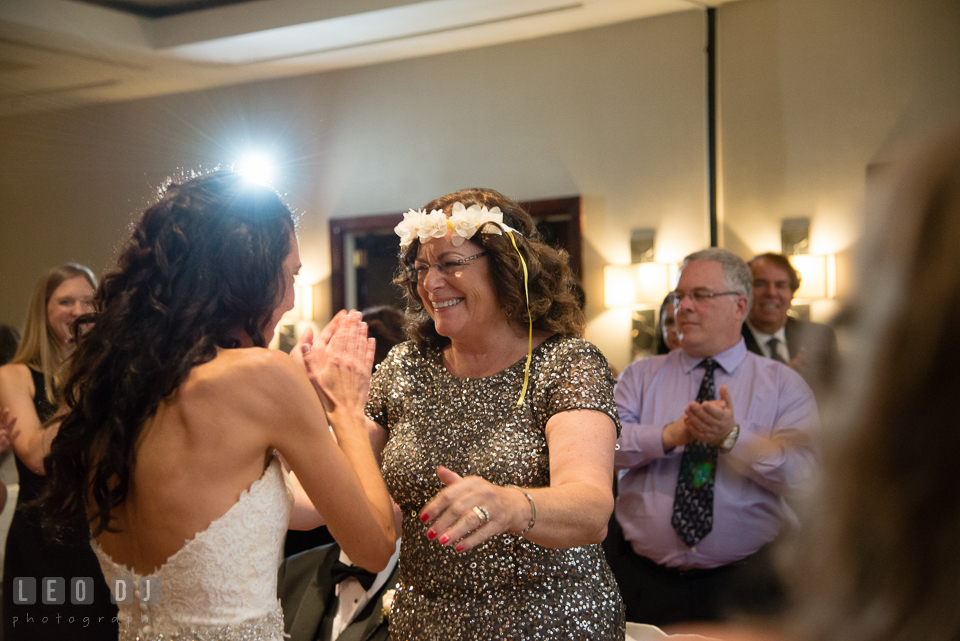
(351, 596)
(762, 340)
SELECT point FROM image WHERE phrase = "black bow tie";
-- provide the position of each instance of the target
(341, 571)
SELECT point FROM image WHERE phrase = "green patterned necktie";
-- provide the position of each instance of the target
(693, 501)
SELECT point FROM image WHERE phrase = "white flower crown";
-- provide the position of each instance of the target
(464, 221)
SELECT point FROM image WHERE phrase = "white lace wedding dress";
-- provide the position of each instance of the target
(222, 584)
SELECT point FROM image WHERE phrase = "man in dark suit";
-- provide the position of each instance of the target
(325, 598)
(809, 348)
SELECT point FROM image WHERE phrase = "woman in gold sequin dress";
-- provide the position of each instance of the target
(502, 466)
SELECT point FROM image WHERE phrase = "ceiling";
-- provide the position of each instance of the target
(57, 54)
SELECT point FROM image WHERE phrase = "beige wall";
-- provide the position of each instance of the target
(810, 93)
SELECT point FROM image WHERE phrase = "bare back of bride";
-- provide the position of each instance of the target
(176, 414)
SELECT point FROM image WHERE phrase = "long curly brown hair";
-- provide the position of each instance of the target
(202, 265)
(553, 303)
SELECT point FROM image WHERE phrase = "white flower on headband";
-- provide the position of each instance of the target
(407, 230)
(416, 222)
(433, 225)
(464, 221)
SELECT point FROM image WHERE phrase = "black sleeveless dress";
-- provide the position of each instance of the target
(30, 553)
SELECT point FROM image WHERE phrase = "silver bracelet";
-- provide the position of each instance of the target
(533, 509)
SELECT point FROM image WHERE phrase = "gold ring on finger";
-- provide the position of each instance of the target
(481, 513)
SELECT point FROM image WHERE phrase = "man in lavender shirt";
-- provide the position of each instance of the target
(762, 422)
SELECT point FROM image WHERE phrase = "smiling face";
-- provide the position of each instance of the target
(771, 296)
(463, 305)
(291, 267)
(712, 325)
(70, 300)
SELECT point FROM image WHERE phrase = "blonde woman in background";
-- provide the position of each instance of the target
(28, 391)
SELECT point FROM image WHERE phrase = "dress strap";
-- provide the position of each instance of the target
(45, 409)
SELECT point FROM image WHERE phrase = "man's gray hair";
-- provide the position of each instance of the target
(735, 271)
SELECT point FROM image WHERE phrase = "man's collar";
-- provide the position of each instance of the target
(728, 359)
(762, 339)
(383, 574)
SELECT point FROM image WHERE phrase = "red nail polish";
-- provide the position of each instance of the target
(444, 539)
(424, 517)
(431, 534)
(459, 548)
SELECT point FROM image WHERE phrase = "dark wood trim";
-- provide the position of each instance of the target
(339, 227)
(538, 209)
(712, 125)
(572, 206)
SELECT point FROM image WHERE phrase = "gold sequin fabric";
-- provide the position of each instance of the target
(508, 587)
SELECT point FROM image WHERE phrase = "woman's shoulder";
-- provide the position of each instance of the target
(406, 354)
(568, 360)
(16, 375)
(404, 349)
(572, 348)
(253, 387)
(243, 371)
(248, 360)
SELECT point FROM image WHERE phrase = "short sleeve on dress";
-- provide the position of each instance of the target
(391, 385)
(578, 377)
(376, 408)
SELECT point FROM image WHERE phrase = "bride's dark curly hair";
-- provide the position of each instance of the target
(204, 264)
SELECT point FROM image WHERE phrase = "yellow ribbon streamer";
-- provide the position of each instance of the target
(526, 293)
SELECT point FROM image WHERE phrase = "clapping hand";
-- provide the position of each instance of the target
(711, 421)
(310, 353)
(339, 363)
(801, 363)
(8, 431)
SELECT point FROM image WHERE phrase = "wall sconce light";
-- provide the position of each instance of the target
(818, 276)
(818, 273)
(644, 282)
(639, 284)
(642, 245)
(795, 236)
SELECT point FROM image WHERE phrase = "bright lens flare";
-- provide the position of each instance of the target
(256, 168)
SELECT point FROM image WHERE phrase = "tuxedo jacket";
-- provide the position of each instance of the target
(820, 341)
(308, 595)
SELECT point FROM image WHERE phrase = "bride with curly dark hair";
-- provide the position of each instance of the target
(176, 413)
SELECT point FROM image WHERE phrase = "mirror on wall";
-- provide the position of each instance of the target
(364, 251)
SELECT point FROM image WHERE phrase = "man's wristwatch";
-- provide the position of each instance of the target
(729, 440)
